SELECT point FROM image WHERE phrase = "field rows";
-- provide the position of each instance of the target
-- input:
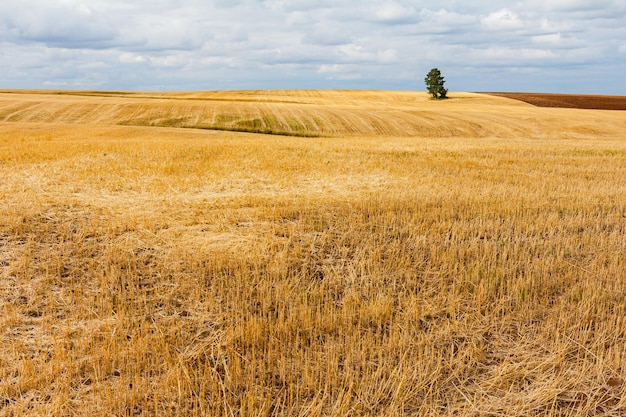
(477, 269)
(304, 114)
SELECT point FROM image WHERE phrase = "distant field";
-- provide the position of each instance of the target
(310, 253)
(296, 113)
(576, 101)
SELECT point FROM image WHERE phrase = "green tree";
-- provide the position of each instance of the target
(434, 84)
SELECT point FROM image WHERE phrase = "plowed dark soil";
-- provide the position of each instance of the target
(575, 101)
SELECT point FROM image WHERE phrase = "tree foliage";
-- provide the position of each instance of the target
(434, 84)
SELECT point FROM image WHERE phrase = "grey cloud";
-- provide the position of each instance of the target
(201, 44)
(607, 8)
(306, 5)
(325, 34)
(62, 25)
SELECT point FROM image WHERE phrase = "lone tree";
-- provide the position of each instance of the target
(434, 84)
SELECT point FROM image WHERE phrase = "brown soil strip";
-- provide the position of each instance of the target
(575, 101)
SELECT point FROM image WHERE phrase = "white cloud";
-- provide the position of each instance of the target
(387, 56)
(330, 69)
(502, 20)
(219, 61)
(130, 58)
(515, 55)
(354, 52)
(204, 44)
(85, 10)
(394, 12)
(340, 72)
(446, 19)
(172, 61)
(552, 39)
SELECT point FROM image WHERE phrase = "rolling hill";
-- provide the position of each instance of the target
(304, 113)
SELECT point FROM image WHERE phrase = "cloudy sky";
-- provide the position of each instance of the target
(570, 46)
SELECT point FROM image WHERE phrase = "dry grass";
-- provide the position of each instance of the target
(462, 258)
(309, 113)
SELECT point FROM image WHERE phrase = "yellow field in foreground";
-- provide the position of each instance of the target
(395, 257)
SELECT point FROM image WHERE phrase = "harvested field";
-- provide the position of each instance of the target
(573, 101)
(304, 113)
(394, 256)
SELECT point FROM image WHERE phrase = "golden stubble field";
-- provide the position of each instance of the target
(378, 254)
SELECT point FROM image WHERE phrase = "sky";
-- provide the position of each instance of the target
(561, 46)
